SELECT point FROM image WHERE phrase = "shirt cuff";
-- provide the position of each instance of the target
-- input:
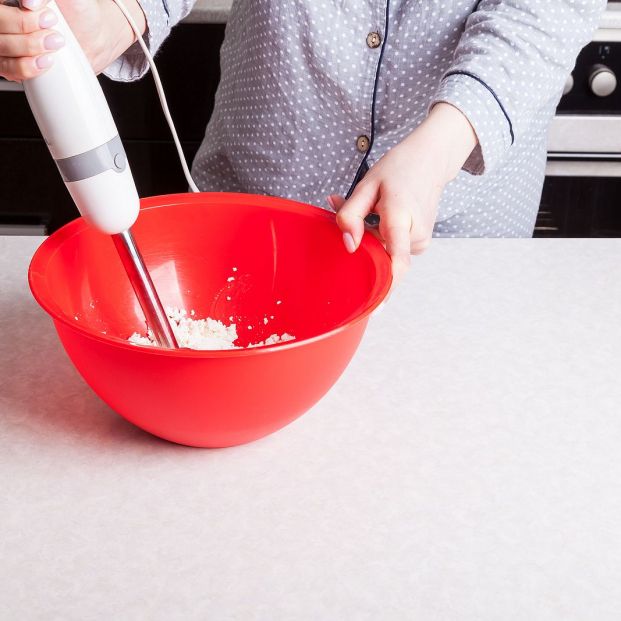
(133, 64)
(487, 116)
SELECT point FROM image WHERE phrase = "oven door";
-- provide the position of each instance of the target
(582, 191)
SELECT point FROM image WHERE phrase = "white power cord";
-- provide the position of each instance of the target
(160, 92)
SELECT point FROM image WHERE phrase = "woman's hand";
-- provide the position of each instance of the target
(28, 39)
(405, 186)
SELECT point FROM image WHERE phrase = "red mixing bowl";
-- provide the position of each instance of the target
(290, 265)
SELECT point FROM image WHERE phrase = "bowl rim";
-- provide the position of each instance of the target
(48, 248)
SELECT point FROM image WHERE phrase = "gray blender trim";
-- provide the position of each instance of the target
(108, 156)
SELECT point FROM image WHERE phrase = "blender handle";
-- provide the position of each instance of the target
(73, 116)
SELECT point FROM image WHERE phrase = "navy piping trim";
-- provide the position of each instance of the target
(166, 7)
(363, 165)
(491, 90)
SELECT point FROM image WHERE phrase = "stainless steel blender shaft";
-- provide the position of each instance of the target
(144, 289)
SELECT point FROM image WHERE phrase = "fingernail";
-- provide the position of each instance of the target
(348, 240)
(331, 202)
(47, 19)
(32, 5)
(53, 41)
(45, 62)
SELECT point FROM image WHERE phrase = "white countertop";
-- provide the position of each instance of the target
(466, 467)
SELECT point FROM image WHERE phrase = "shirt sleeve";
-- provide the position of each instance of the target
(161, 16)
(512, 60)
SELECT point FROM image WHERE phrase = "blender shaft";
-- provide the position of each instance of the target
(144, 289)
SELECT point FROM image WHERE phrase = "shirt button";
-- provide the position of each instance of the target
(374, 40)
(362, 144)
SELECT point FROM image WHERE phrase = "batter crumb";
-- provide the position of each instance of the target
(204, 334)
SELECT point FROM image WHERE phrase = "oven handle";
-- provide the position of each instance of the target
(585, 167)
(10, 87)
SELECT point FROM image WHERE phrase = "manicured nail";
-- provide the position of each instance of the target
(47, 19)
(348, 240)
(45, 62)
(33, 5)
(53, 41)
(331, 202)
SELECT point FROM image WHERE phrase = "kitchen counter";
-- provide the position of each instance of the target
(466, 467)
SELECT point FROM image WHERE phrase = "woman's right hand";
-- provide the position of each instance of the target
(28, 40)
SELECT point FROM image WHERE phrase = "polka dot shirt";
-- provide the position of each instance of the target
(312, 91)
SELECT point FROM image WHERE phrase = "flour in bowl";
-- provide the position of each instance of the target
(203, 334)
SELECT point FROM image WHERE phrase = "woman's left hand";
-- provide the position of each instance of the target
(405, 186)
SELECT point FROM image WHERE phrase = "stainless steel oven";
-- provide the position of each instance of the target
(582, 193)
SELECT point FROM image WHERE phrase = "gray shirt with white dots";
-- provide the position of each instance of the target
(313, 91)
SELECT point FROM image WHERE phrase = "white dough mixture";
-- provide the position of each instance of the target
(203, 333)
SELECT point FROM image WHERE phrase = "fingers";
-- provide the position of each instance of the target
(20, 69)
(18, 21)
(400, 232)
(419, 244)
(395, 227)
(33, 5)
(336, 201)
(350, 214)
(26, 42)
(35, 44)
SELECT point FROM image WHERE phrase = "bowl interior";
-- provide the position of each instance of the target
(269, 265)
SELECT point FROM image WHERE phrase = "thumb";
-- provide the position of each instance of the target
(350, 215)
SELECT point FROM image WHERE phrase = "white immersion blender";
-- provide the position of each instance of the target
(77, 125)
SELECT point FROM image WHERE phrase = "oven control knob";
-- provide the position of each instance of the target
(569, 85)
(603, 81)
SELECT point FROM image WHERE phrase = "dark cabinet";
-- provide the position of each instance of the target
(31, 190)
(580, 207)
